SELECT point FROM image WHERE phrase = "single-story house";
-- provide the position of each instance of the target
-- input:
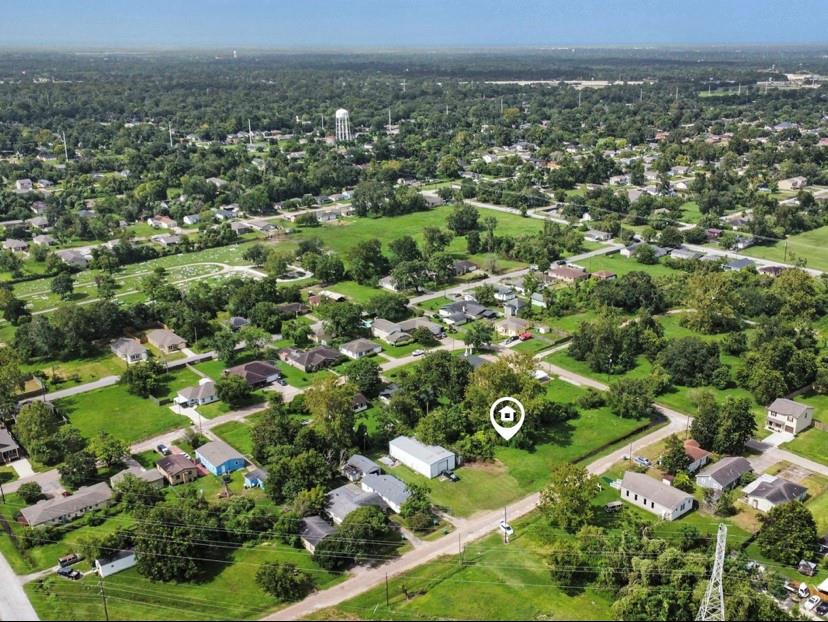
(167, 240)
(390, 332)
(724, 474)
(345, 499)
(73, 258)
(473, 359)
(23, 185)
(118, 561)
(735, 265)
(9, 449)
(129, 350)
(63, 509)
(191, 219)
(359, 348)
(768, 491)
(793, 183)
(312, 530)
(359, 466)
(664, 501)
(786, 415)
(219, 458)
(44, 240)
(629, 251)
(311, 360)
(202, 393)
(604, 275)
(161, 222)
(15, 246)
(360, 403)
(237, 323)
(597, 236)
(255, 478)
(291, 309)
(256, 373)
(698, 457)
(151, 476)
(466, 309)
(177, 469)
(427, 460)
(463, 266)
(567, 274)
(684, 254)
(504, 293)
(512, 326)
(513, 307)
(389, 488)
(166, 340)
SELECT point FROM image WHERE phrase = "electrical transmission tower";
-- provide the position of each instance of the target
(712, 605)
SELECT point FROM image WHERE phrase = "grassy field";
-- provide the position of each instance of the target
(78, 371)
(122, 414)
(518, 472)
(492, 581)
(811, 444)
(812, 246)
(237, 434)
(228, 592)
(614, 262)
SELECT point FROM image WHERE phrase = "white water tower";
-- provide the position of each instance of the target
(343, 125)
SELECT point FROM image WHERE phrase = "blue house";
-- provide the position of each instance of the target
(255, 478)
(219, 458)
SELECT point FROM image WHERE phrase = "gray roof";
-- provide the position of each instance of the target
(358, 346)
(789, 407)
(345, 499)
(388, 487)
(314, 529)
(6, 441)
(198, 392)
(427, 453)
(738, 264)
(138, 472)
(256, 474)
(53, 509)
(218, 452)
(727, 470)
(653, 489)
(164, 337)
(779, 491)
(127, 346)
(362, 464)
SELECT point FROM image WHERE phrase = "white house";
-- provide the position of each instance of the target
(664, 501)
(121, 560)
(768, 491)
(786, 415)
(427, 460)
(359, 348)
(202, 393)
(389, 488)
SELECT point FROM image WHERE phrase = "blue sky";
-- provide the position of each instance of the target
(413, 23)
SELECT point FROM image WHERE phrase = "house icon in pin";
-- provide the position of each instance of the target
(507, 414)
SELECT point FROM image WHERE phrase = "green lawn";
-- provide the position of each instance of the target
(78, 371)
(493, 581)
(229, 592)
(811, 444)
(122, 414)
(360, 294)
(237, 434)
(297, 378)
(810, 245)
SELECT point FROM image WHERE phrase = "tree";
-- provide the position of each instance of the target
(705, 426)
(255, 339)
(341, 319)
(567, 499)
(284, 581)
(110, 450)
(404, 249)
(36, 428)
(137, 495)
(435, 240)
(30, 492)
(310, 502)
(332, 406)
(690, 361)
(788, 533)
(674, 460)
(630, 398)
(364, 374)
(479, 335)
(224, 343)
(441, 267)
(368, 263)
(233, 390)
(11, 379)
(63, 285)
(417, 508)
(144, 378)
(78, 469)
(391, 307)
(277, 263)
(362, 536)
(297, 331)
(736, 426)
(463, 219)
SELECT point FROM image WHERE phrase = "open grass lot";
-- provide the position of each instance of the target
(517, 472)
(820, 404)
(237, 434)
(493, 581)
(122, 414)
(360, 294)
(210, 411)
(297, 378)
(615, 262)
(228, 592)
(811, 246)
(811, 444)
(78, 371)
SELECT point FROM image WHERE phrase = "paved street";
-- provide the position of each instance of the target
(14, 604)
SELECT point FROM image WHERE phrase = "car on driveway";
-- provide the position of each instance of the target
(418, 353)
(505, 528)
(822, 609)
(525, 336)
(69, 573)
(642, 461)
(811, 603)
(162, 449)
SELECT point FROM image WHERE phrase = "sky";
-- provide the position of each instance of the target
(410, 24)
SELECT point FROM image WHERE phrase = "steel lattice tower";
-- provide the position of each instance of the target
(712, 605)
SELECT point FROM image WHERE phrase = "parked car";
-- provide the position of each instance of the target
(418, 353)
(69, 573)
(281, 382)
(68, 560)
(511, 340)
(803, 591)
(451, 475)
(162, 449)
(811, 603)
(642, 461)
(822, 609)
(505, 528)
(525, 336)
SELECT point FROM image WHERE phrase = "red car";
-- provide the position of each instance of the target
(525, 336)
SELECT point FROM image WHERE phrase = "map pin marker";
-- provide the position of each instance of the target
(507, 409)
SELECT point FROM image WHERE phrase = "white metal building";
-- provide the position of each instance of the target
(428, 460)
(121, 560)
(664, 501)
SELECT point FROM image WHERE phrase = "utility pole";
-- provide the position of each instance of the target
(712, 605)
(387, 605)
(579, 99)
(65, 147)
(103, 597)
(403, 85)
(501, 105)
(169, 126)
(250, 131)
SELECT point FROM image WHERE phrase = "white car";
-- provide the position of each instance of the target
(812, 602)
(418, 353)
(505, 528)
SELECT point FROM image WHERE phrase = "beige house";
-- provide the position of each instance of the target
(785, 415)
(166, 340)
(512, 326)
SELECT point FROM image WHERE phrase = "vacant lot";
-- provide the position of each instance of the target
(812, 246)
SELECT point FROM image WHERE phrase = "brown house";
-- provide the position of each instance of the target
(177, 469)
